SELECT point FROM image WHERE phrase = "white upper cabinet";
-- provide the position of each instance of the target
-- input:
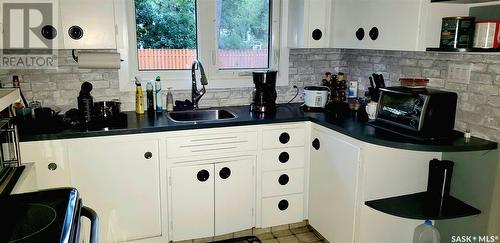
(377, 24)
(309, 23)
(88, 24)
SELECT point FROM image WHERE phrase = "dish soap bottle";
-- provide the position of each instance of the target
(150, 97)
(159, 105)
(139, 99)
(170, 100)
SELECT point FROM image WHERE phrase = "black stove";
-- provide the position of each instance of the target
(44, 216)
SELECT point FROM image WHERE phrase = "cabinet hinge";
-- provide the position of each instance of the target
(170, 180)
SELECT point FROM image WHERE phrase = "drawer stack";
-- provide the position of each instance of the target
(283, 159)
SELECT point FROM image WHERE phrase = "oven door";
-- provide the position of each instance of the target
(405, 110)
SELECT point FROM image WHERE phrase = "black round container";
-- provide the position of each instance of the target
(457, 32)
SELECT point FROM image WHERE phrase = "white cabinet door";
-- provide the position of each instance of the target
(96, 20)
(234, 195)
(309, 23)
(333, 187)
(398, 23)
(119, 178)
(192, 209)
(49, 160)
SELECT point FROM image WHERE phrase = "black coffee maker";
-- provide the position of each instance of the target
(264, 93)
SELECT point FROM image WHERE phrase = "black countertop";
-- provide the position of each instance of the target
(350, 123)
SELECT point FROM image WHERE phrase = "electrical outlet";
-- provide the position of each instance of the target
(459, 73)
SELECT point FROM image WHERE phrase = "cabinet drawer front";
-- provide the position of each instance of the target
(283, 137)
(211, 144)
(282, 159)
(282, 210)
(282, 182)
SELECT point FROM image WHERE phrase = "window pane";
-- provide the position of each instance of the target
(243, 33)
(166, 34)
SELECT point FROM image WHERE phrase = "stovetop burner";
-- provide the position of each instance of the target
(43, 216)
(35, 218)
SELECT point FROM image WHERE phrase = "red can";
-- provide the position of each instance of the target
(487, 34)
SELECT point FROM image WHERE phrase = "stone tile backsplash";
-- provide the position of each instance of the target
(475, 77)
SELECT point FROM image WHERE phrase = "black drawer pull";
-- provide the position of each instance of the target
(283, 205)
(224, 173)
(148, 155)
(283, 157)
(52, 166)
(203, 175)
(283, 179)
(373, 33)
(284, 138)
(316, 144)
(317, 34)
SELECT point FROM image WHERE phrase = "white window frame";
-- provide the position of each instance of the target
(207, 49)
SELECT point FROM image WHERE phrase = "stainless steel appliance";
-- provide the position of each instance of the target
(264, 93)
(45, 216)
(421, 113)
(316, 96)
(10, 161)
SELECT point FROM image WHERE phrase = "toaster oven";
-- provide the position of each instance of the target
(424, 111)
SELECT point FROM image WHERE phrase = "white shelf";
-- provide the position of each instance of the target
(8, 97)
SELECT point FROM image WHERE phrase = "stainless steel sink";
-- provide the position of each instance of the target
(201, 115)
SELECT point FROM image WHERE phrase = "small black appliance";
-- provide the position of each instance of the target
(264, 93)
(424, 114)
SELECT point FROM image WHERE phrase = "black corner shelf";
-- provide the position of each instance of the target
(423, 206)
(436, 49)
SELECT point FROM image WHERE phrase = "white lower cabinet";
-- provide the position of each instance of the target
(284, 209)
(51, 168)
(192, 190)
(118, 177)
(334, 168)
(212, 199)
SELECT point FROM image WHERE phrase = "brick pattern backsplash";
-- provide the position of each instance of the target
(60, 87)
(479, 93)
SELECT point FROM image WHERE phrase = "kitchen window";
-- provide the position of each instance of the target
(230, 37)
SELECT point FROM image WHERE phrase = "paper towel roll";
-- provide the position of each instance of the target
(101, 60)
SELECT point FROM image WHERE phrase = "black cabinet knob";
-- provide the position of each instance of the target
(373, 33)
(317, 34)
(284, 138)
(75, 32)
(49, 32)
(52, 166)
(203, 175)
(283, 179)
(316, 144)
(148, 155)
(224, 173)
(283, 205)
(284, 157)
(360, 34)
